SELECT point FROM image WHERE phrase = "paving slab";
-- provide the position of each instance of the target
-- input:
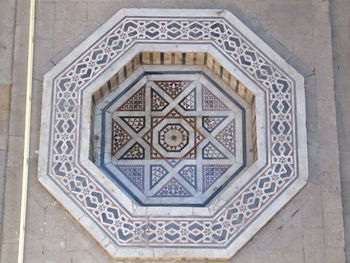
(341, 66)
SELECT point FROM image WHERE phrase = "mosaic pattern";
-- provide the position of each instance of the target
(173, 88)
(135, 123)
(189, 173)
(210, 123)
(255, 200)
(158, 102)
(211, 173)
(136, 102)
(173, 137)
(119, 137)
(211, 102)
(189, 102)
(212, 152)
(169, 140)
(173, 189)
(157, 173)
(134, 173)
(227, 137)
(134, 152)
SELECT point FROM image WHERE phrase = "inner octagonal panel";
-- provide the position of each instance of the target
(172, 138)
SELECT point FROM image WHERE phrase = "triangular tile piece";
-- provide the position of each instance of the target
(210, 123)
(155, 154)
(136, 123)
(158, 103)
(227, 137)
(212, 152)
(156, 120)
(189, 173)
(134, 152)
(173, 88)
(119, 137)
(147, 137)
(135, 173)
(158, 172)
(199, 137)
(188, 103)
(191, 121)
(210, 102)
(135, 103)
(173, 189)
(173, 162)
(191, 154)
(211, 173)
(174, 113)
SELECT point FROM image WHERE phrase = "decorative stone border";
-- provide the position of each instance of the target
(66, 171)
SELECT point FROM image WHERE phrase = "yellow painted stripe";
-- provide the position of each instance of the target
(22, 227)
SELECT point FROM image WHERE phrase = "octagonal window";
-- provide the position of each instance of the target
(209, 124)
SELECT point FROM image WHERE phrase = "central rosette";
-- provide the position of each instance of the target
(173, 136)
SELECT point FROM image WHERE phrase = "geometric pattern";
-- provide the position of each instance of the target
(119, 137)
(227, 137)
(173, 162)
(210, 123)
(211, 173)
(157, 173)
(173, 137)
(189, 173)
(135, 123)
(211, 102)
(135, 102)
(134, 152)
(210, 151)
(68, 175)
(169, 141)
(158, 102)
(173, 88)
(173, 189)
(189, 102)
(134, 173)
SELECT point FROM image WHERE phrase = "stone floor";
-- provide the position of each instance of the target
(308, 229)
